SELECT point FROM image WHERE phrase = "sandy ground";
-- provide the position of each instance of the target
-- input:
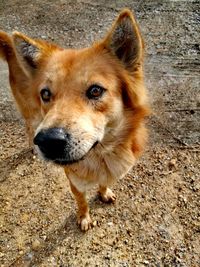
(156, 219)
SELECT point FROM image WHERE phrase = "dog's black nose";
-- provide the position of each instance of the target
(52, 142)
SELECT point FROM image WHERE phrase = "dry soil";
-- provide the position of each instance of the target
(156, 218)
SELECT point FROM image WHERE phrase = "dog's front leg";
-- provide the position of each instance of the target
(30, 133)
(84, 219)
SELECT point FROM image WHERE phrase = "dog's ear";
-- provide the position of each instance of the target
(125, 43)
(6, 48)
(124, 40)
(31, 53)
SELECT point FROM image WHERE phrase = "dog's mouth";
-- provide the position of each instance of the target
(63, 159)
(64, 162)
(94, 145)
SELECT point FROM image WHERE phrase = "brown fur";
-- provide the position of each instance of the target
(116, 63)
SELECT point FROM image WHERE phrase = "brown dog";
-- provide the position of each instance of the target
(84, 109)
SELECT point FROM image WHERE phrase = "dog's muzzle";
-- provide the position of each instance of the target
(57, 145)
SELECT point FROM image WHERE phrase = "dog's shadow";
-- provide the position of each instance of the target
(47, 247)
(10, 163)
(55, 238)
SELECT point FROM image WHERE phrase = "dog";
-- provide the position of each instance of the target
(84, 109)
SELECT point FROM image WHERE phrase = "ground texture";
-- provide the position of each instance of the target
(156, 218)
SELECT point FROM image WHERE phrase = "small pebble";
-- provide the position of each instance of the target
(126, 241)
(94, 223)
(36, 244)
(172, 163)
(21, 252)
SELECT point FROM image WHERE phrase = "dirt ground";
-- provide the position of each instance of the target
(156, 219)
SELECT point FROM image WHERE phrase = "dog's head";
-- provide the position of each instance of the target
(85, 96)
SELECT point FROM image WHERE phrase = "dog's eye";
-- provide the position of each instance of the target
(45, 94)
(95, 92)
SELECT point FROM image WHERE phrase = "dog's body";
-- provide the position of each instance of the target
(85, 108)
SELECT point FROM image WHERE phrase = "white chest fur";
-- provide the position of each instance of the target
(100, 167)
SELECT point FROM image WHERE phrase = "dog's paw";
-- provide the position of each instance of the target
(108, 196)
(85, 223)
